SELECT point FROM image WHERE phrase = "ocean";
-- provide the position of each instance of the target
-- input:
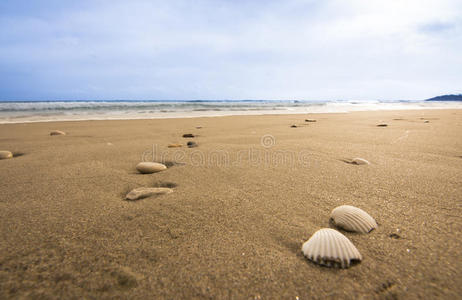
(45, 111)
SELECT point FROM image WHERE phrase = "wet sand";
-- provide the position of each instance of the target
(244, 202)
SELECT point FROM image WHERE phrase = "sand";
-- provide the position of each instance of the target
(244, 202)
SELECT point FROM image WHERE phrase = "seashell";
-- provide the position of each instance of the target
(174, 145)
(359, 161)
(328, 247)
(150, 167)
(140, 193)
(57, 132)
(192, 144)
(352, 218)
(6, 154)
(293, 126)
(426, 121)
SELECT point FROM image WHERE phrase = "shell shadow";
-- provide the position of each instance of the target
(348, 161)
(125, 191)
(170, 163)
(169, 185)
(18, 154)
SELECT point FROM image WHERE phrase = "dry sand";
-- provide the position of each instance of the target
(234, 226)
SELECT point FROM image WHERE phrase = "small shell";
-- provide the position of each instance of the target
(175, 145)
(5, 154)
(57, 132)
(191, 144)
(140, 193)
(330, 248)
(359, 161)
(147, 167)
(352, 218)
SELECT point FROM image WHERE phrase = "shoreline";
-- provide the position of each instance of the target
(231, 114)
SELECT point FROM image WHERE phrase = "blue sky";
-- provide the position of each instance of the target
(293, 49)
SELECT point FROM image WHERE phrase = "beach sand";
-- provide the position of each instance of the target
(244, 202)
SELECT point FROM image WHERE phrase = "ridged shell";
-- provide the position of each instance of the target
(142, 192)
(330, 248)
(359, 161)
(353, 219)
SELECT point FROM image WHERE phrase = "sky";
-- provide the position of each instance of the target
(242, 49)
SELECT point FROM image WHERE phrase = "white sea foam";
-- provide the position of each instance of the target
(43, 111)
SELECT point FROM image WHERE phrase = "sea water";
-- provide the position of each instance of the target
(42, 111)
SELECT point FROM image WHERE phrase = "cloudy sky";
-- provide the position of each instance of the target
(230, 49)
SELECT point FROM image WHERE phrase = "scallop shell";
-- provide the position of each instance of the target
(330, 248)
(353, 219)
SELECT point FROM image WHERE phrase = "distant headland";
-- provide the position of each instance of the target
(446, 98)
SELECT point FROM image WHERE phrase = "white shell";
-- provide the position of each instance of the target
(140, 193)
(331, 248)
(57, 132)
(359, 161)
(5, 154)
(150, 167)
(353, 219)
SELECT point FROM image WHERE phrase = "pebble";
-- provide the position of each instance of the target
(310, 120)
(6, 154)
(293, 126)
(188, 135)
(426, 121)
(382, 125)
(150, 167)
(192, 144)
(143, 192)
(57, 132)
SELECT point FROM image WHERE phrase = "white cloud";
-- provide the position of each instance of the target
(237, 49)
